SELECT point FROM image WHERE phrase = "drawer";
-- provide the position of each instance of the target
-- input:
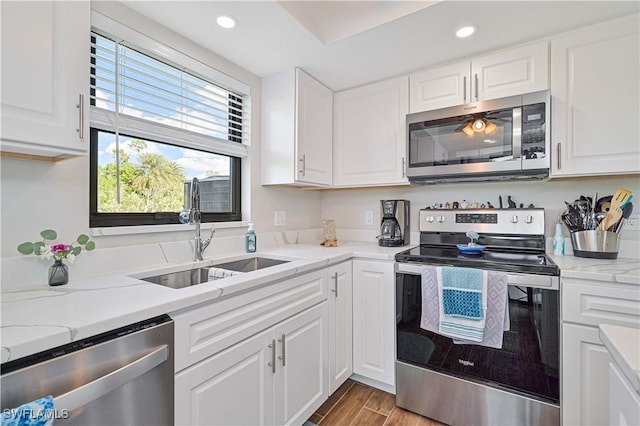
(206, 330)
(599, 302)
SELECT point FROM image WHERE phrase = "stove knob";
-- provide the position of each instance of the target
(429, 219)
(528, 219)
(514, 219)
(440, 219)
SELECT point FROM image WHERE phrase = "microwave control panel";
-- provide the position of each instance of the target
(533, 131)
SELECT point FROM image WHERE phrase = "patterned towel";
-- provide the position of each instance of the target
(218, 273)
(497, 315)
(463, 302)
(37, 413)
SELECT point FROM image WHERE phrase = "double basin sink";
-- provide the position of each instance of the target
(195, 276)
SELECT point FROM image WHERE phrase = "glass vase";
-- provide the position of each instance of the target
(58, 273)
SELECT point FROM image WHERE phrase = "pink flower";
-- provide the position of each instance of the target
(59, 247)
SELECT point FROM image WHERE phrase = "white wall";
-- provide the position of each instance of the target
(40, 195)
(348, 206)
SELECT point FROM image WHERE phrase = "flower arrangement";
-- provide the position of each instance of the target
(58, 251)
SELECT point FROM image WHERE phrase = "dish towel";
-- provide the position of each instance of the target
(218, 273)
(36, 413)
(463, 302)
(497, 313)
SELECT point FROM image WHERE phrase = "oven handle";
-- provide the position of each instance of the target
(526, 280)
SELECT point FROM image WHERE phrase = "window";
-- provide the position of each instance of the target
(154, 127)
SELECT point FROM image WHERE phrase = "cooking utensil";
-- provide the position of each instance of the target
(619, 198)
(612, 218)
(626, 212)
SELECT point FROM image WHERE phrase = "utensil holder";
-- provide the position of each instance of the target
(595, 244)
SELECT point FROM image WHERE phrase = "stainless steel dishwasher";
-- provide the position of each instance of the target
(121, 377)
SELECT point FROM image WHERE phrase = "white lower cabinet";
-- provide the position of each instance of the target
(585, 364)
(340, 325)
(624, 401)
(373, 321)
(278, 376)
(585, 360)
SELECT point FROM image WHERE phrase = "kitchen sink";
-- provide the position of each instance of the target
(180, 279)
(189, 277)
(250, 264)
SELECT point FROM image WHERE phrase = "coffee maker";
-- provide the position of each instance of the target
(394, 227)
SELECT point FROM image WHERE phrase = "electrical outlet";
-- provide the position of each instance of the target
(633, 223)
(280, 218)
(368, 217)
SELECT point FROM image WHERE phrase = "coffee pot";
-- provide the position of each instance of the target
(394, 226)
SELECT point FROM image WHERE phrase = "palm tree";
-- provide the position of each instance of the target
(161, 183)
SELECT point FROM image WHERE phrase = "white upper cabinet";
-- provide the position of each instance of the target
(297, 114)
(511, 72)
(45, 78)
(595, 100)
(369, 136)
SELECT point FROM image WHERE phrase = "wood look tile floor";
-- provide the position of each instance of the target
(358, 404)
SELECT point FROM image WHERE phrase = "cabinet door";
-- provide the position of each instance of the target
(373, 321)
(439, 87)
(45, 77)
(340, 325)
(301, 380)
(512, 72)
(370, 134)
(314, 115)
(585, 366)
(595, 95)
(624, 401)
(234, 387)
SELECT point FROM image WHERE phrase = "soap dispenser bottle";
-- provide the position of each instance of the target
(558, 241)
(251, 239)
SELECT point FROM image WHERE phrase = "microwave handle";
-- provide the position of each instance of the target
(517, 133)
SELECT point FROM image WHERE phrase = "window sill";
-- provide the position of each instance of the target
(152, 229)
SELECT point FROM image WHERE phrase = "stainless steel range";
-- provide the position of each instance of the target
(464, 384)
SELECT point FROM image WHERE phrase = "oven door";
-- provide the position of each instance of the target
(528, 362)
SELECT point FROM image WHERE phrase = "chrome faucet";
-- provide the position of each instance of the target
(195, 216)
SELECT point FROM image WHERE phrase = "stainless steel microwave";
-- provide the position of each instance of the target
(500, 139)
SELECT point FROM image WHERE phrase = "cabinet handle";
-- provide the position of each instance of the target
(80, 107)
(476, 82)
(404, 168)
(272, 364)
(559, 153)
(283, 357)
(335, 284)
(303, 160)
(464, 89)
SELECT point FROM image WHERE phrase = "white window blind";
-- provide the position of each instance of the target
(133, 91)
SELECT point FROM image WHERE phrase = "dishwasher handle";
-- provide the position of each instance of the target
(95, 389)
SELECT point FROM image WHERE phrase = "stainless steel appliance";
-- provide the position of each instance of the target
(501, 139)
(463, 384)
(122, 377)
(394, 226)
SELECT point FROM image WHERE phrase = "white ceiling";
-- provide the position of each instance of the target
(350, 43)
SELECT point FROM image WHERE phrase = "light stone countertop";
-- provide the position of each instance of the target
(615, 270)
(35, 319)
(623, 343)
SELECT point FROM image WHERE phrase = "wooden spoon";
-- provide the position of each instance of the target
(613, 216)
(615, 213)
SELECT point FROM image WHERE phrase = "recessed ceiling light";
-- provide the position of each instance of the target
(465, 31)
(226, 21)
